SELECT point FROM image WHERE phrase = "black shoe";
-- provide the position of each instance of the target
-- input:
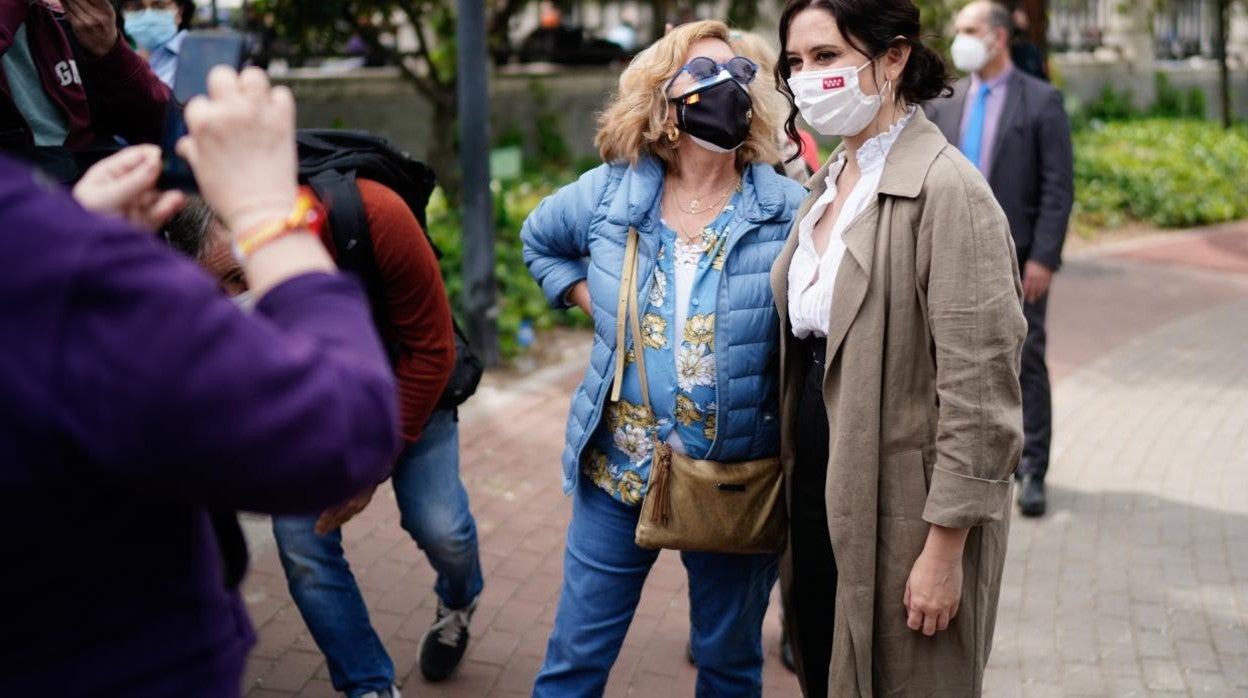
(786, 651)
(443, 645)
(689, 654)
(1031, 500)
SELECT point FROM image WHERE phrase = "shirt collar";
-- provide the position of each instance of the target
(174, 45)
(874, 150)
(994, 84)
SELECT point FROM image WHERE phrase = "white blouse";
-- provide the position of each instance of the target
(811, 277)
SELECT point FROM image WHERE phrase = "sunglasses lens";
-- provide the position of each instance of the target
(742, 70)
(702, 68)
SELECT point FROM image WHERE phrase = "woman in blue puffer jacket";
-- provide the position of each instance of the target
(687, 148)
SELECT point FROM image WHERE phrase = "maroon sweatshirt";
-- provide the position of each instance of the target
(113, 95)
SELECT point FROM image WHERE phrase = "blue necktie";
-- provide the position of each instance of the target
(973, 139)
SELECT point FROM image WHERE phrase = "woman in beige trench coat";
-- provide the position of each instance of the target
(900, 299)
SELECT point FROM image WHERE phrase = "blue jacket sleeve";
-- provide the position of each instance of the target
(555, 236)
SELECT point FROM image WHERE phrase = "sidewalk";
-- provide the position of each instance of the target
(1130, 586)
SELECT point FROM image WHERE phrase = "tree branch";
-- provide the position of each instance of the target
(422, 43)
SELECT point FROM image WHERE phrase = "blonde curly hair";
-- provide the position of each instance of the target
(635, 123)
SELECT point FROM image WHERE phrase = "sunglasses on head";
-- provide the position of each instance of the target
(701, 69)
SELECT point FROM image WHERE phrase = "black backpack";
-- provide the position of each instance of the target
(330, 161)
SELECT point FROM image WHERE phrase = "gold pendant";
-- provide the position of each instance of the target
(695, 206)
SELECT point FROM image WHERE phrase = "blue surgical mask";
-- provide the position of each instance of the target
(152, 29)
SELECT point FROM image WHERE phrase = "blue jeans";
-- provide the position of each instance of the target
(434, 510)
(603, 573)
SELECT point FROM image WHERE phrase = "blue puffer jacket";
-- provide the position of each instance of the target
(580, 232)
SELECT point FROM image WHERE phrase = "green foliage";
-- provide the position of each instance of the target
(1169, 173)
(1120, 105)
(1113, 105)
(556, 155)
(743, 14)
(1173, 103)
(520, 298)
(936, 17)
(1196, 103)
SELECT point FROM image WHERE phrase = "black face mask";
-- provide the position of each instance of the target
(720, 114)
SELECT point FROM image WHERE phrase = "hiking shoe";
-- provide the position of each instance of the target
(443, 645)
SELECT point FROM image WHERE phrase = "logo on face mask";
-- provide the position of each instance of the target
(716, 117)
(832, 102)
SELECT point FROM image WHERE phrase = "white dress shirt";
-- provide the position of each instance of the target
(811, 277)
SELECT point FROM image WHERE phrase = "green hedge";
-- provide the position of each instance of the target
(1167, 172)
(519, 296)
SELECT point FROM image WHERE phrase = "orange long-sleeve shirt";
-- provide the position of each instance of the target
(416, 304)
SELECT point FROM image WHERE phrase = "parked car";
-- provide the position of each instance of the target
(568, 45)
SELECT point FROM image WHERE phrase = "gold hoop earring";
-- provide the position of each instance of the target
(673, 134)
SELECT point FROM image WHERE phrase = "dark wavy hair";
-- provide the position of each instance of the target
(872, 27)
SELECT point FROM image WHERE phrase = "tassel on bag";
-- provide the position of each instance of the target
(661, 483)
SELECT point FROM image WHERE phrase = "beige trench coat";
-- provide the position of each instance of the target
(924, 414)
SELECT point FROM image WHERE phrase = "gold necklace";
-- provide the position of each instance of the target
(695, 204)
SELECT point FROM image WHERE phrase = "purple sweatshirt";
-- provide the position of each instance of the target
(133, 398)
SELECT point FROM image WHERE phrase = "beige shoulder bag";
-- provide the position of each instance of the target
(697, 504)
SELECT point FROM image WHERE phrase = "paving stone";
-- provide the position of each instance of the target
(1163, 675)
(1134, 585)
(292, 670)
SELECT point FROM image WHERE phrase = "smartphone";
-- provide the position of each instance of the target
(201, 52)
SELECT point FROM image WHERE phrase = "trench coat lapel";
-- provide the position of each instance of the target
(1013, 102)
(904, 172)
(853, 277)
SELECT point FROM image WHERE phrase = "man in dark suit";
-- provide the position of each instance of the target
(1013, 127)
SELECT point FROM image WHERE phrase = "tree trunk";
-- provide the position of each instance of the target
(663, 11)
(1221, 22)
(443, 152)
(1038, 12)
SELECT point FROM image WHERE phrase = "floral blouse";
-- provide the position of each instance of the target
(678, 333)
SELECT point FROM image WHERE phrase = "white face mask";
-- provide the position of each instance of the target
(832, 102)
(710, 146)
(970, 53)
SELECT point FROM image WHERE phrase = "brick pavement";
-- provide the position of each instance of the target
(1130, 586)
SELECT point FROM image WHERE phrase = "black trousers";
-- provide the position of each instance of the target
(1037, 395)
(814, 566)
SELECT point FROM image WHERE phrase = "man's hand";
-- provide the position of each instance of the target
(124, 185)
(242, 148)
(1036, 280)
(94, 23)
(334, 517)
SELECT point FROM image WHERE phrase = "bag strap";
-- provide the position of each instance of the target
(659, 495)
(353, 242)
(627, 311)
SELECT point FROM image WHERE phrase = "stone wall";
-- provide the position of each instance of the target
(379, 100)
